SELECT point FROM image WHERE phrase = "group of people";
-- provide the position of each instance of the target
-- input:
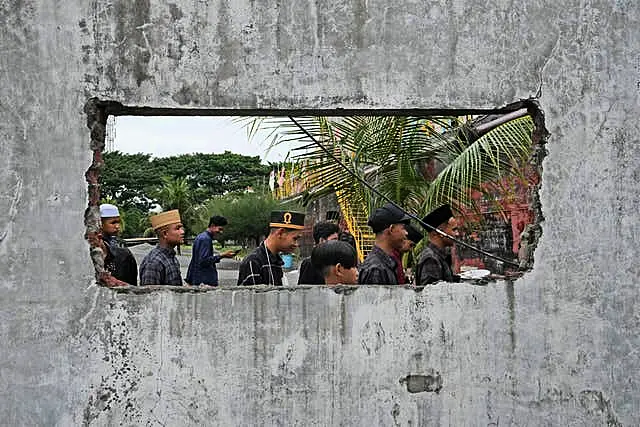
(333, 259)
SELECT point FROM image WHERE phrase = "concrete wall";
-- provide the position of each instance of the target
(558, 347)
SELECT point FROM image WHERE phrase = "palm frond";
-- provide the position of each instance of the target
(500, 152)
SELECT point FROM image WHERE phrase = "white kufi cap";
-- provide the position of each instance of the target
(108, 211)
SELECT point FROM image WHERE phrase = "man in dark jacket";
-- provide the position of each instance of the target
(434, 263)
(323, 231)
(379, 267)
(118, 259)
(264, 265)
(202, 268)
(413, 238)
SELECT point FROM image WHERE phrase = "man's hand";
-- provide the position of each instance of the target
(228, 254)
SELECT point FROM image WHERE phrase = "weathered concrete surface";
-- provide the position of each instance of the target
(558, 348)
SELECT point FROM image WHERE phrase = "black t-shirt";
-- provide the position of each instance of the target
(308, 274)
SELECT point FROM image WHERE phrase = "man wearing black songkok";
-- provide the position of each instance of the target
(380, 267)
(264, 265)
(434, 263)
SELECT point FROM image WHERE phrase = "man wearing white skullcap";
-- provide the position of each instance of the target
(111, 223)
(118, 259)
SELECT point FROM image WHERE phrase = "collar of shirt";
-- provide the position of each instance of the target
(385, 258)
(170, 252)
(440, 252)
(274, 259)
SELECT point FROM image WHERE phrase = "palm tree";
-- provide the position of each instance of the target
(419, 163)
(174, 194)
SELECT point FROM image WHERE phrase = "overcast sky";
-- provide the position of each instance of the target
(166, 136)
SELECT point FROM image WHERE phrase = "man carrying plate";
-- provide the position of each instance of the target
(434, 263)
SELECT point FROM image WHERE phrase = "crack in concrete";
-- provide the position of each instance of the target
(549, 55)
(13, 207)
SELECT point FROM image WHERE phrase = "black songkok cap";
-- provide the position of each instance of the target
(287, 219)
(386, 216)
(438, 216)
(413, 234)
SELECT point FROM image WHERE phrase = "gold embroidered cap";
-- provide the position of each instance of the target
(287, 219)
(165, 218)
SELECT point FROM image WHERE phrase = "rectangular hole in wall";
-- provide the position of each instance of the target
(485, 163)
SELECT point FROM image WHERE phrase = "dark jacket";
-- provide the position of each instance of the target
(378, 268)
(114, 241)
(309, 275)
(202, 268)
(434, 265)
(122, 265)
(261, 267)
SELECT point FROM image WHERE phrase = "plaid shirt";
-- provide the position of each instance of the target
(378, 268)
(160, 267)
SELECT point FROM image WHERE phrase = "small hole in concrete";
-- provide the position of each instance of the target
(501, 216)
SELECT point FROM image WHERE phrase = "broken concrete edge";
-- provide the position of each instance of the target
(96, 122)
(98, 111)
(111, 107)
(533, 232)
(260, 289)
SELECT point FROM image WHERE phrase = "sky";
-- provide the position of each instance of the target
(166, 136)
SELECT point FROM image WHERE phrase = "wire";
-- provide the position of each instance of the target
(387, 199)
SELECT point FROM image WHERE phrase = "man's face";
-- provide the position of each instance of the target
(407, 246)
(397, 236)
(333, 236)
(111, 226)
(288, 240)
(174, 234)
(451, 228)
(216, 229)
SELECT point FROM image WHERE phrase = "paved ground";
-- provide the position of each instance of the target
(227, 268)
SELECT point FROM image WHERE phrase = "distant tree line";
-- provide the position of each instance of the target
(199, 185)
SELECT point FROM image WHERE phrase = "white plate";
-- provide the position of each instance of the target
(474, 274)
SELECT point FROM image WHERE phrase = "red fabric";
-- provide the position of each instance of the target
(399, 269)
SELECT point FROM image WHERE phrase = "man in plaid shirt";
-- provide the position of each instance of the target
(160, 266)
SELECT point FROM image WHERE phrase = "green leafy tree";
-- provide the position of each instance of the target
(214, 174)
(247, 213)
(129, 179)
(135, 221)
(176, 194)
(136, 180)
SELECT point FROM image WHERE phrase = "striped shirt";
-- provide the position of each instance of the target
(261, 267)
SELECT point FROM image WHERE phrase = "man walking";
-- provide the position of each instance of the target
(160, 266)
(202, 268)
(388, 224)
(434, 263)
(118, 259)
(264, 265)
(323, 231)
